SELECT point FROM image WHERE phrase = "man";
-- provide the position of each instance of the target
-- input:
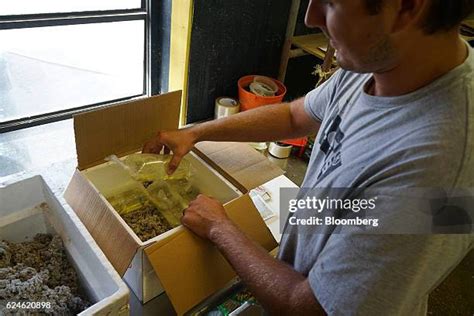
(398, 115)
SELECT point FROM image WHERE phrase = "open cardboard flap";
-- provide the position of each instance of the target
(124, 128)
(119, 129)
(191, 269)
(241, 164)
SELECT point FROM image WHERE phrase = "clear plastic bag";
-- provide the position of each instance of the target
(169, 194)
(172, 195)
(128, 201)
(151, 167)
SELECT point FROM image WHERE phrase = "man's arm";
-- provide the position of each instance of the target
(278, 287)
(266, 123)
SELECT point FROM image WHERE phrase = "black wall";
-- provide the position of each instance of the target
(231, 39)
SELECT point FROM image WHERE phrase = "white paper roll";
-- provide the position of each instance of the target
(279, 150)
(225, 107)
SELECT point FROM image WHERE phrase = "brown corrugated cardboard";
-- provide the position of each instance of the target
(123, 129)
(242, 165)
(194, 268)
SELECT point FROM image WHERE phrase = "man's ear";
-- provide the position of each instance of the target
(409, 13)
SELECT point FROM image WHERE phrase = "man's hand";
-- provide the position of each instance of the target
(203, 215)
(180, 142)
(268, 279)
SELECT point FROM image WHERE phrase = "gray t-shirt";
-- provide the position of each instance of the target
(422, 139)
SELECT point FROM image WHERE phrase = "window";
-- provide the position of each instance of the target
(59, 57)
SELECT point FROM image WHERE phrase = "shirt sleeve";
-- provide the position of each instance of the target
(317, 100)
(383, 274)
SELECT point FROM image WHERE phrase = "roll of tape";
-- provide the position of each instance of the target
(279, 150)
(260, 88)
(268, 82)
(225, 107)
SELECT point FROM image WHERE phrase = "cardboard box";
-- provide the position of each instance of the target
(110, 179)
(28, 207)
(188, 268)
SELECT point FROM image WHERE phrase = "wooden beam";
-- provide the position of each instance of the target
(290, 30)
(180, 43)
(297, 53)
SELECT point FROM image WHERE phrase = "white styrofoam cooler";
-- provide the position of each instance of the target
(22, 217)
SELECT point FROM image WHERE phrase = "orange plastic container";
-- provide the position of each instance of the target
(297, 142)
(248, 100)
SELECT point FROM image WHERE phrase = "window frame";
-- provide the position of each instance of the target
(8, 22)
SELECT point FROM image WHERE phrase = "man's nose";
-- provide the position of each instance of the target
(315, 16)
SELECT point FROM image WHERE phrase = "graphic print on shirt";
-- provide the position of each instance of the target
(330, 145)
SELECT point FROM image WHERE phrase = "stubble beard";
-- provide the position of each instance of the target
(379, 58)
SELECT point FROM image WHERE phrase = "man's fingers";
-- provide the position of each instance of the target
(174, 163)
(146, 148)
(152, 147)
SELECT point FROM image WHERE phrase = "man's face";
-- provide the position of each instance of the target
(361, 40)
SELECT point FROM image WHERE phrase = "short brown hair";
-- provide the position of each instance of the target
(443, 15)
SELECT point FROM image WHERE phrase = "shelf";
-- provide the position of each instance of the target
(314, 44)
(468, 23)
(296, 46)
